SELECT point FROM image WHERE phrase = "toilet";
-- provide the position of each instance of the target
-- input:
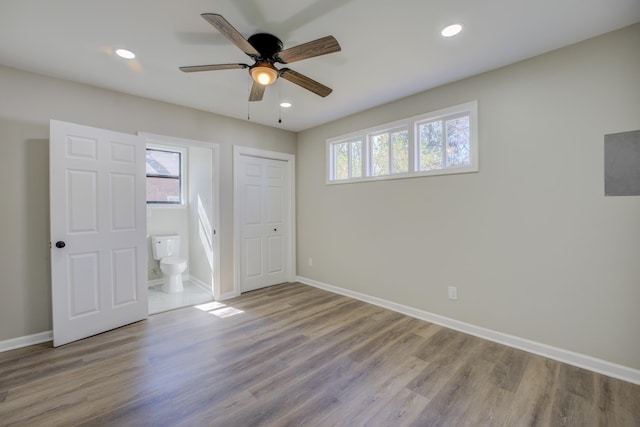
(166, 249)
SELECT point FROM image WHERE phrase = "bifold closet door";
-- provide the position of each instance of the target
(263, 191)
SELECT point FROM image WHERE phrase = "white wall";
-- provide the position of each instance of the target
(200, 192)
(532, 244)
(28, 102)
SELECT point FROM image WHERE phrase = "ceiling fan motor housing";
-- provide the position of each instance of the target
(266, 44)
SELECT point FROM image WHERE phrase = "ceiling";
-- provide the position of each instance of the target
(390, 49)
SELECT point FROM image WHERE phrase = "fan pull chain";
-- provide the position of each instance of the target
(279, 101)
(249, 102)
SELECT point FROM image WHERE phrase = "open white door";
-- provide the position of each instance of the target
(264, 204)
(98, 230)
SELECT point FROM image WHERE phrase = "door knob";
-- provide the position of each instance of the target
(60, 244)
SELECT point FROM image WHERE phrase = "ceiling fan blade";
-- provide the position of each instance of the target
(192, 68)
(305, 82)
(257, 91)
(227, 30)
(318, 47)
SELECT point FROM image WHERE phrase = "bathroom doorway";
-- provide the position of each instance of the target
(182, 200)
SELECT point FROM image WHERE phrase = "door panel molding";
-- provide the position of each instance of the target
(98, 230)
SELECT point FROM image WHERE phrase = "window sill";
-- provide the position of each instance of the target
(154, 206)
(438, 172)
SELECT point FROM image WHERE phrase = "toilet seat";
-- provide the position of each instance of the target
(172, 260)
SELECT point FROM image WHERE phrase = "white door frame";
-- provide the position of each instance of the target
(291, 255)
(151, 138)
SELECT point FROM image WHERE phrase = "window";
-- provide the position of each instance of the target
(389, 152)
(440, 150)
(164, 176)
(442, 142)
(348, 159)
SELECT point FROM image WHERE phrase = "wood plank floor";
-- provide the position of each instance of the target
(294, 355)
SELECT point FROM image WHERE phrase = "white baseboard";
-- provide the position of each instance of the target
(199, 283)
(600, 366)
(26, 341)
(228, 295)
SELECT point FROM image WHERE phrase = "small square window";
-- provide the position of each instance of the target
(390, 152)
(448, 149)
(346, 158)
(164, 176)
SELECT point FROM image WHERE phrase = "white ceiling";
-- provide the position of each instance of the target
(390, 48)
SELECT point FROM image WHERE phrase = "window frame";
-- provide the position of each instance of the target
(182, 178)
(411, 124)
(350, 162)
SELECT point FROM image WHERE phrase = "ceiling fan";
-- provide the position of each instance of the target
(265, 50)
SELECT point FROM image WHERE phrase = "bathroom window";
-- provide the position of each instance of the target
(164, 176)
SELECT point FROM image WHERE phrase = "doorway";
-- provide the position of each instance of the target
(188, 211)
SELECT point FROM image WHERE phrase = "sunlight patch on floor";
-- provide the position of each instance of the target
(213, 305)
(219, 309)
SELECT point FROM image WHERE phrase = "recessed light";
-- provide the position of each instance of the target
(126, 54)
(451, 30)
(285, 104)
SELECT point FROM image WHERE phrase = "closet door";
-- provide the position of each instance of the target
(263, 192)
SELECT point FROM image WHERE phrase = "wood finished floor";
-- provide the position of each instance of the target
(293, 355)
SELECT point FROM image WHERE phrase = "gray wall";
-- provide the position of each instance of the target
(532, 244)
(28, 102)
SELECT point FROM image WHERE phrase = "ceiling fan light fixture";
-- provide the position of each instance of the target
(264, 73)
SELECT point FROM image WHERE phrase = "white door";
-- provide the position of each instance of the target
(263, 201)
(98, 230)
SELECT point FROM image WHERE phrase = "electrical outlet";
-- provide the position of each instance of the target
(310, 262)
(453, 293)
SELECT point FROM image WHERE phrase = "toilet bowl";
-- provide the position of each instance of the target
(172, 269)
(166, 249)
